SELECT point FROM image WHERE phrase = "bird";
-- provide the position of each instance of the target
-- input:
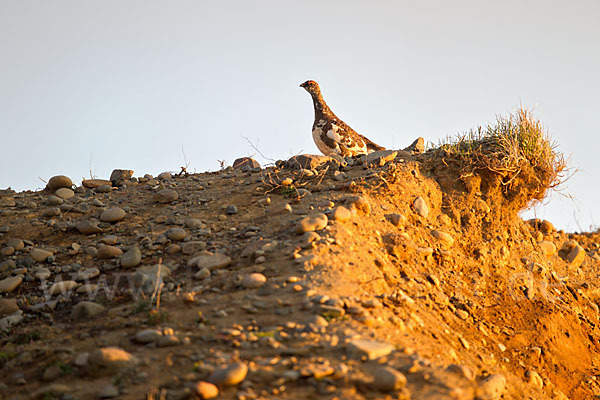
(333, 136)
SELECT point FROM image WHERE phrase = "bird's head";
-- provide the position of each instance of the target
(311, 87)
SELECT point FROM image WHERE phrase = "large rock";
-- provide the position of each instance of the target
(59, 181)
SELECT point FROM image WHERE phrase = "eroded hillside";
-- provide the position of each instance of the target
(398, 276)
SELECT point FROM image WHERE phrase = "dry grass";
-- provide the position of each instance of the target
(507, 147)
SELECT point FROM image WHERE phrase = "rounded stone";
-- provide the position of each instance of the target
(166, 196)
(420, 207)
(54, 201)
(203, 273)
(87, 274)
(7, 251)
(106, 252)
(492, 387)
(443, 237)
(9, 284)
(110, 359)
(16, 244)
(87, 227)
(230, 375)
(85, 309)
(51, 212)
(8, 306)
(114, 214)
(132, 258)
(311, 223)
(62, 287)
(147, 336)
(58, 182)
(193, 223)
(387, 379)
(231, 209)
(193, 247)
(342, 214)
(176, 234)
(254, 281)
(206, 390)
(42, 273)
(40, 255)
(64, 193)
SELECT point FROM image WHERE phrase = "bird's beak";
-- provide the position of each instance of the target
(303, 85)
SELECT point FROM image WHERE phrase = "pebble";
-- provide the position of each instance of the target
(131, 258)
(16, 244)
(202, 274)
(206, 390)
(370, 349)
(193, 247)
(40, 255)
(254, 280)
(311, 223)
(396, 219)
(420, 207)
(163, 176)
(7, 251)
(9, 284)
(194, 223)
(168, 341)
(148, 336)
(108, 392)
(576, 256)
(8, 306)
(106, 252)
(360, 204)
(231, 210)
(443, 237)
(492, 387)
(64, 193)
(547, 247)
(342, 214)
(230, 375)
(42, 273)
(110, 360)
(62, 287)
(87, 227)
(51, 212)
(87, 274)
(387, 379)
(210, 261)
(85, 309)
(166, 196)
(176, 234)
(535, 379)
(58, 182)
(114, 214)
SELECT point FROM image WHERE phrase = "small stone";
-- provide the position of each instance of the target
(166, 196)
(193, 247)
(40, 255)
(7, 251)
(491, 388)
(16, 244)
(342, 214)
(120, 176)
(114, 214)
(231, 210)
(64, 193)
(387, 379)
(206, 390)
(53, 391)
(360, 203)
(8, 306)
(231, 375)
(62, 287)
(42, 273)
(535, 379)
(312, 223)
(380, 158)
(368, 348)
(194, 223)
(86, 274)
(576, 256)
(176, 234)
(306, 161)
(546, 227)
(210, 261)
(7, 202)
(95, 183)
(420, 207)
(51, 373)
(9, 284)
(59, 181)
(87, 227)
(163, 176)
(148, 336)
(254, 281)
(104, 189)
(168, 341)
(443, 237)
(110, 360)
(131, 258)
(202, 274)
(108, 392)
(51, 212)
(85, 309)
(106, 252)
(416, 147)
(396, 219)
(547, 247)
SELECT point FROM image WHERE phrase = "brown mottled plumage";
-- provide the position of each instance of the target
(332, 135)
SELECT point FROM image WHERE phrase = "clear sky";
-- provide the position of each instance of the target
(96, 85)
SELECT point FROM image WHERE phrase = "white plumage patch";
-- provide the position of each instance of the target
(316, 133)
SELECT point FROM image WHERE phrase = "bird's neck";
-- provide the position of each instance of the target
(321, 108)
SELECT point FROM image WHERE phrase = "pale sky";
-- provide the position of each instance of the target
(126, 84)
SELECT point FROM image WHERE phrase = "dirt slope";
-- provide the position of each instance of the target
(448, 297)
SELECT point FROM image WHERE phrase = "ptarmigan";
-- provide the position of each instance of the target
(333, 136)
